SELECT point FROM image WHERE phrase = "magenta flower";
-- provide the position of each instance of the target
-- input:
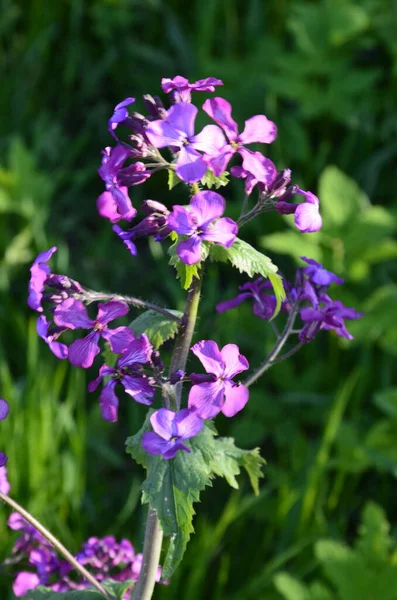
(170, 430)
(264, 303)
(269, 170)
(4, 483)
(39, 270)
(120, 114)
(177, 131)
(182, 88)
(217, 392)
(72, 314)
(42, 325)
(257, 129)
(197, 222)
(24, 582)
(307, 217)
(129, 374)
(4, 410)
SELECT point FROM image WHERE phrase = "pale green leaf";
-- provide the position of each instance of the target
(156, 326)
(290, 588)
(341, 198)
(210, 180)
(173, 179)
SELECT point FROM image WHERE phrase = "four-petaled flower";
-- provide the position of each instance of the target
(217, 392)
(177, 131)
(182, 88)
(129, 374)
(170, 430)
(257, 129)
(196, 221)
(72, 314)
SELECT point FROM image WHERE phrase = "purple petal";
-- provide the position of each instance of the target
(206, 85)
(187, 424)
(123, 202)
(182, 117)
(310, 315)
(190, 166)
(44, 256)
(309, 196)
(107, 208)
(316, 272)
(189, 251)
(120, 114)
(181, 221)
(82, 352)
(229, 304)
(3, 459)
(236, 398)
(108, 401)
(162, 421)
(210, 140)
(161, 134)
(307, 218)
(4, 409)
(223, 232)
(154, 444)
(59, 350)
(254, 163)
(24, 582)
(138, 351)
(119, 338)
(178, 83)
(125, 237)
(208, 353)
(109, 311)
(219, 163)
(207, 206)
(234, 361)
(39, 273)
(177, 445)
(72, 313)
(139, 389)
(258, 129)
(206, 399)
(220, 111)
(104, 371)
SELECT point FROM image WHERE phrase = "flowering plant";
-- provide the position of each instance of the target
(177, 444)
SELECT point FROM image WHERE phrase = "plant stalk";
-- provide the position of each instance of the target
(93, 296)
(56, 543)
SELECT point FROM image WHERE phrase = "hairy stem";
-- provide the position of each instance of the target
(270, 360)
(153, 533)
(93, 296)
(56, 543)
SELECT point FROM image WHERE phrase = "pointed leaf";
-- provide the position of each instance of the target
(156, 326)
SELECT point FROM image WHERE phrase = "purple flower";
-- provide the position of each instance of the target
(219, 393)
(307, 217)
(42, 325)
(264, 303)
(152, 225)
(268, 168)
(4, 410)
(129, 374)
(177, 131)
(182, 88)
(317, 274)
(197, 223)
(170, 430)
(257, 129)
(329, 315)
(24, 582)
(72, 314)
(39, 273)
(4, 483)
(120, 114)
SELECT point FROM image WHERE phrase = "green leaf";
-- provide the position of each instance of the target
(186, 272)
(210, 180)
(116, 588)
(173, 179)
(340, 198)
(173, 486)
(157, 327)
(248, 260)
(290, 588)
(374, 542)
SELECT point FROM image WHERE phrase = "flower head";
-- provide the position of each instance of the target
(182, 88)
(72, 314)
(177, 131)
(197, 222)
(328, 314)
(307, 217)
(170, 430)
(218, 392)
(317, 274)
(257, 129)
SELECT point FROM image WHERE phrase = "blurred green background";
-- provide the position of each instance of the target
(325, 524)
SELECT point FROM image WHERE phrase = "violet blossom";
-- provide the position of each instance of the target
(268, 175)
(264, 303)
(197, 222)
(217, 392)
(177, 131)
(39, 270)
(307, 217)
(170, 431)
(256, 129)
(329, 315)
(129, 374)
(120, 114)
(4, 410)
(155, 224)
(182, 88)
(72, 314)
(317, 274)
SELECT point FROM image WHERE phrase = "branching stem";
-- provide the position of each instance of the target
(93, 296)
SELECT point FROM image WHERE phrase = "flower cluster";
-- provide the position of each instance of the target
(107, 559)
(308, 298)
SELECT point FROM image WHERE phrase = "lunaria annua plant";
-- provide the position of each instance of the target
(177, 444)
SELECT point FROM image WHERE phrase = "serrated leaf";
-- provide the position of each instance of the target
(173, 179)
(156, 326)
(173, 486)
(210, 180)
(249, 260)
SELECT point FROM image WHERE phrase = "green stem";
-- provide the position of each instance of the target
(56, 543)
(92, 296)
(153, 533)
